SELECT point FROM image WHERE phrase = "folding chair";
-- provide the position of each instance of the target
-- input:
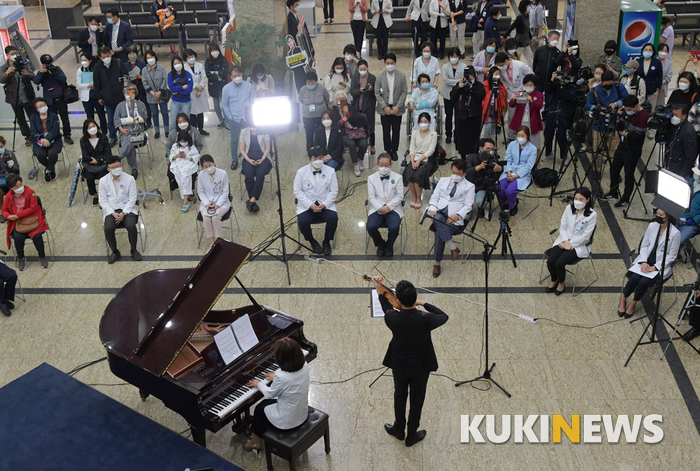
(577, 264)
(19, 289)
(465, 227)
(141, 232)
(47, 237)
(199, 223)
(383, 229)
(525, 194)
(82, 180)
(267, 183)
(315, 226)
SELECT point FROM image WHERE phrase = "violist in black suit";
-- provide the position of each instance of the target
(330, 139)
(410, 355)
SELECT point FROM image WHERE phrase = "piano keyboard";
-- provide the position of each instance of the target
(238, 393)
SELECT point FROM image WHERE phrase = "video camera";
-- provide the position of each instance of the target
(490, 157)
(661, 117)
(562, 77)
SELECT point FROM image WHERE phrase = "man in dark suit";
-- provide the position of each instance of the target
(410, 355)
(92, 38)
(119, 35)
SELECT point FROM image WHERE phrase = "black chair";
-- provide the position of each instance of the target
(131, 7)
(100, 18)
(290, 444)
(207, 17)
(147, 34)
(140, 18)
(106, 6)
(219, 5)
(172, 34)
(73, 33)
(673, 8)
(185, 17)
(192, 5)
(197, 33)
(690, 7)
(225, 218)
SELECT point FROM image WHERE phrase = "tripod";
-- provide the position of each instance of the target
(692, 300)
(495, 91)
(505, 232)
(600, 151)
(638, 183)
(282, 236)
(564, 166)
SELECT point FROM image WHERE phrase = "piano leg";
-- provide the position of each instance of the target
(199, 436)
(144, 395)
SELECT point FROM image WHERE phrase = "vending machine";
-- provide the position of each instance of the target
(640, 23)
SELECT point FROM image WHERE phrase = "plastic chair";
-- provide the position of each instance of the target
(577, 264)
(383, 229)
(47, 237)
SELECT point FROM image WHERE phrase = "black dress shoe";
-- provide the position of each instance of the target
(316, 247)
(234, 165)
(400, 435)
(112, 143)
(691, 334)
(10, 305)
(156, 135)
(327, 248)
(514, 211)
(203, 132)
(114, 256)
(448, 140)
(167, 134)
(68, 140)
(388, 251)
(394, 156)
(256, 208)
(95, 201)
(550, 290)
(380, 251)
(135, 173)
(5, 310)
(559, 293)
(621, 313)
(418, 436)
(249, 206)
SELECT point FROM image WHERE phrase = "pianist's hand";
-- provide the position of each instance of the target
(270, 376)
(253, 383)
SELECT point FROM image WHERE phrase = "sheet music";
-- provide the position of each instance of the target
(376, 306)
(637, 268)
(244, 333)
(227, 345)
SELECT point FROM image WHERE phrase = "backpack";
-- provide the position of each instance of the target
(545, 177)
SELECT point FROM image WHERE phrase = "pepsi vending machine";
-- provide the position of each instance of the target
(640, 23)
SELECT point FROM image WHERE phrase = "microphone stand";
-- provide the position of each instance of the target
(488, 251)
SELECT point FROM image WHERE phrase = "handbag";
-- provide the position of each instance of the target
(96, 170)
(27, 225)
(165, 95)
(70, 93)
(356, 133)
(523, 39)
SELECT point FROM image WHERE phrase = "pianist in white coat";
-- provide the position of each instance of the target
(450, 206)
(385, 195)
(213, 192)
(117, 197)
(290, 386)
(315, 188)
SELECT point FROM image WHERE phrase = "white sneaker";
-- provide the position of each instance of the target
(547, 158)
(356, 168)
(362, 166)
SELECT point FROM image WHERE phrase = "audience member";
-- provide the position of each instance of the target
(612, 61)
(439, 11)
(155, 83)
(183, 124)
(362, 91)
(314, 101)
(485, 59)
(523, 38)
(688, 224)
(682, 150)
(46, 137)
(216, 68)
(422, 161)
(130, 119)
(634, 84)
(135, 68)
(686, 93)
(109, 89)
(382, 23)
(667, 34)
(494, 105)
(452, 74)
(92, 38)
(491, 27)
(482, 171)
(358, 16)
(236, 96)
(390, 91)
(652, 71)
(385, 199)
(167, 17)
(354, 126)
(8, 281)
(200, 100)
(213, 192)
(521, 156)
(537, 24)
(119, 34)
(94, 150)
(8, 165)
(184, 162)
(417, 13)
(338, 79)
(526, 106)
(424, 99)
(181, 85)
(263, 83)
(255, 150)
(668, 72)
(84, 82)
(329, 137)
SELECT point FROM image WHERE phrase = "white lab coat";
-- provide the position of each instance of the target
(520, 70)
(183, 169)
(389, 193)
(307, 191)
(292, 393)
(577, 232)
(199, 104)
(460, 204)
(382, 5)
(213, 191)
(123, 197)
(674, 244)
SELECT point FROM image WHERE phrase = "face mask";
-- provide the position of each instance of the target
(502, 68)
(85, 64)
(327, 123)
(116, 172)
(215, 54)
(177, 67)
(19, 190)
(426, 55)
(659, 219)
(110, 21)
(151, 60)
(597, 77)
(472, 81)
(339, 71)
(93, 27)
(456, 178)
(390, 67)
(609, 52)
(496, 78)
(210, 170)
(167, 14)
(554, 43)
(132, 57)
(363, 73)
(13, 57)
(260, 76)
(190, 61)
(183, 126)
(529, 89)
(647, 54)
(630, 71)
(92, 131)
(607, 87)
(317, 164)
(425, 86)
(579, 204)
(454, 60)
(311, 87)
(522, 140)
(630, 113)
(490, 49)
(183, 144)
(511, 51)
(348, 57)
(106, 61)
(675, 120)
(384, 171)
(683, 86)
(423, 126)
(43, 109)
(2, 150)
(238, 80)
(662, 55)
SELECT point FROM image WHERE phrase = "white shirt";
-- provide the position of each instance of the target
(120, 194)
(390, 80)
(115, 34)
(292, 393)
(93, 141)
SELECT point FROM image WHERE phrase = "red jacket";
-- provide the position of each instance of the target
(31, 209)
(486, 104)
(535, 123)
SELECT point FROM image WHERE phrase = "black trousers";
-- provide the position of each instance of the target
(8, 281)
(47, 156)
(449, 108)
(308, 217)
(558, 260)
(196, 120)
(261, 423)
(628, 161)
(358, 33)
(391, 128)
(467, 135)
(382, 38)
(403, 386)
(440, 34)
(60, 107)
(420, 34)
(255, 177)
(19, 240)
(639, 285)
(310, 125)
(129, 221)
(327, 9)
(550, 124)
(20, 111)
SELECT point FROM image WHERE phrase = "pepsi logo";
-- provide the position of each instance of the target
(638, 33)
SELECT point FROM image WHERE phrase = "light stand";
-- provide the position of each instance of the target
(638, 183)
(270, 116)
(673, 197)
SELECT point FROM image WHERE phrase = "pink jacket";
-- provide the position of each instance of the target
(364, 7)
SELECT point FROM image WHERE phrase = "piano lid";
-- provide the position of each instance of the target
(154, 315)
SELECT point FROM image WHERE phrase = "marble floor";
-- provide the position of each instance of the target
(569, 362)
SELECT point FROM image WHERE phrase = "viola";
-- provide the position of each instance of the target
(385, 291)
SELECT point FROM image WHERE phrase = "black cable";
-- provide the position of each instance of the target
(84, 365)
(580, 326)
(108, 384)
(348, 379)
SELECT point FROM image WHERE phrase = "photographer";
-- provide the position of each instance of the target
(19, 93)
(602, 102)
(467, 97)
(547, 59)
(52, 78)
(483, 169)
(632, 128)
(682, 149)
(561, 91)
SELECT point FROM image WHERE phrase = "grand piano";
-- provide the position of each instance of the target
(159, 335)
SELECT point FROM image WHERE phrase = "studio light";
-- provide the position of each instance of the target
(673, 193)
(272, 115)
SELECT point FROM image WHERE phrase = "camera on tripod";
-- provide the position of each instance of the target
(504, 216)
(563, 78)
(490, 157)
(661, 117)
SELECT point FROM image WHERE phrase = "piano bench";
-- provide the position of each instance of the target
(290, 444)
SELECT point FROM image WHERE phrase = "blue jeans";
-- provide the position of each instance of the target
(156, 118)
(375, 221)
(110, 122)
(217, 109)
(479, 199)
(176, 108)
(235, 128)
(687, 232)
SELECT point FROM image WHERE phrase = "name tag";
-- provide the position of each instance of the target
(312, 108)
